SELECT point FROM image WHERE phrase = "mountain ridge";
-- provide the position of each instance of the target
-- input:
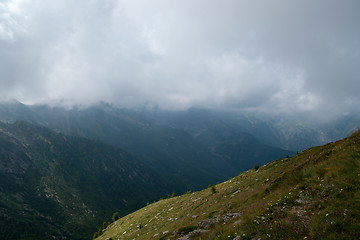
(58, 186)
(313, 195)
(186, 148)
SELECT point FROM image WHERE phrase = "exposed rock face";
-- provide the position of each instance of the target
(192, 234)
(204, 224)
(229, 216)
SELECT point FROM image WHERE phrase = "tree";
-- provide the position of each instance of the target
(212, 188)
(104, 226)
(115, 216)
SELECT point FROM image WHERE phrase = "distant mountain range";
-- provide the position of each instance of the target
(190, 149)
(62, 184)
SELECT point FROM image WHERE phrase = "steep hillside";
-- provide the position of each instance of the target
(313, 195)
(52, 186)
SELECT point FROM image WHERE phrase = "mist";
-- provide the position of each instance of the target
(298, 57)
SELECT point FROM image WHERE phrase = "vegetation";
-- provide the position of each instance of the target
(175, 145)
(53, 186)
(213, 189)
(171, 195)
(313, 195)
(115, 216)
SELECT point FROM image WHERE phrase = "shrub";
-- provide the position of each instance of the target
(104, 226)
(213, 189)
(115, 216)
(256, 167)
(172, 195)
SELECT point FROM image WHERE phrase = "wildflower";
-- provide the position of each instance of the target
(305, 237)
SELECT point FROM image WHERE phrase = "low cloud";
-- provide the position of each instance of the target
(276, 56)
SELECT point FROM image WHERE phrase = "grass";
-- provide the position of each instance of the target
(313, 195)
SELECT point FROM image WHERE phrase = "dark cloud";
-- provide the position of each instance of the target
(264, 55)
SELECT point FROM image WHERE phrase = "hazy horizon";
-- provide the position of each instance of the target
(278, 56)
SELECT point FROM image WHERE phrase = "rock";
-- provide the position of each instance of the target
(237, 222)
(192, 234)
(207, 223)
(229, 216)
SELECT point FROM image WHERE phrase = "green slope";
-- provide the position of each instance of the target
(58, 187)
(313, 195)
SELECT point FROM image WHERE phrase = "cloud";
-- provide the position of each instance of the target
(270, 56)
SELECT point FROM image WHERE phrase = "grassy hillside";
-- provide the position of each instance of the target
(313, 195)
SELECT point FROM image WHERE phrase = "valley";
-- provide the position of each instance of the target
(66, 171)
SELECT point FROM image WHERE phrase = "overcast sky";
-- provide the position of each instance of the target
(280, 55)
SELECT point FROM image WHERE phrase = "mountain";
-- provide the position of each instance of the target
(313, 195)
(58, 187)
(187, 149)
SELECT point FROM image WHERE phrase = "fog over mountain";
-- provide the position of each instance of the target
(274, 56)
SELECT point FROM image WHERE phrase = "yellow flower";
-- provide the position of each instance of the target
(305, 237)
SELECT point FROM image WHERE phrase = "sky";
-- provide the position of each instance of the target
(273, 56)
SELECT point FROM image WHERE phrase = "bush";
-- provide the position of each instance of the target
(115, 216)
(213, 189)
(172, 195)
(104, 226)
(256, 167)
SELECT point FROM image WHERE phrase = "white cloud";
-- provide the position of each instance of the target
(265, 55)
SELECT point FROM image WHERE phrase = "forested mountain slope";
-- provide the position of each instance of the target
(53, 186)
(190, 149)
